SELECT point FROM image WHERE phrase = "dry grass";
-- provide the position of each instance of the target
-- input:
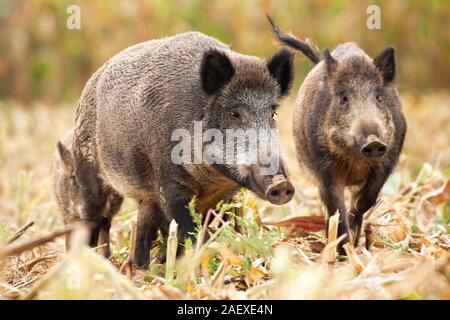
(408, 230)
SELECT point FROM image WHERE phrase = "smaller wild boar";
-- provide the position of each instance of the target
(70, 200)
(348, 126)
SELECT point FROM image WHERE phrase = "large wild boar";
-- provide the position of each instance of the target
(70, 199)
(348, 126)
(132, 106)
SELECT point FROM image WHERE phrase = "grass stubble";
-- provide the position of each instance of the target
(260, 252)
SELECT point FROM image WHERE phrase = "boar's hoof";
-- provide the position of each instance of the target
(280, 191)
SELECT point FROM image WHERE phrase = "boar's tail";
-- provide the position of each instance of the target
(293, 42)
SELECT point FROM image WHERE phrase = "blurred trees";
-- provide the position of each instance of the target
(41, 59)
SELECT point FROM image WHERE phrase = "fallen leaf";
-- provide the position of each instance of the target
(438, 196)
(428, 203)
(309, 223)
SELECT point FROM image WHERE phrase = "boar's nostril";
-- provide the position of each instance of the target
(290, 192)
(367, 151)
(275, 193)
(374, 149)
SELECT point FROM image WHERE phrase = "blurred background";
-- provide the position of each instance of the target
(43, 60)
(44, 66)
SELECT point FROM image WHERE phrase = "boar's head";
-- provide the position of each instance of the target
(363, 99)
(82, 186)
(244, 95)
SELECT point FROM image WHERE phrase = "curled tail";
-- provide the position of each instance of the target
(295, 43)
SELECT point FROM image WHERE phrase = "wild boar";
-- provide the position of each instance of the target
(133, 107)
(348, 126)
(70, 200)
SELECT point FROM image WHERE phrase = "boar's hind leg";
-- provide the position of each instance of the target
(333, 199)
(363, 200)
(112, 208)
(150, 218)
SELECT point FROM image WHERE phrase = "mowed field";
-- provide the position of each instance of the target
(247, 257)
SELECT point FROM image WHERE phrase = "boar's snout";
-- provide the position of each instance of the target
(280, 191)
(373, 148)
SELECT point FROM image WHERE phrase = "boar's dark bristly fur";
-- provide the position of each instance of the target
(131, 106)
(348, 127)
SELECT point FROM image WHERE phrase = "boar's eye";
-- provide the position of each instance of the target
(274, 115)
(274, 108)
(379, 95)
(343, 97)
(73, 188)
(73, 183)
(235, 115)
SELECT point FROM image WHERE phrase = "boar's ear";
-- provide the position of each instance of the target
(385, 62)
(330, 62)
(281, 68)
(216, 71)
(66, 158)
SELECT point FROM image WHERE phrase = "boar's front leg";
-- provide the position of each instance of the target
(177, 209)
(174, 199)
(332, 195)
(112, 208)
(150, 218)
(363, 200)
